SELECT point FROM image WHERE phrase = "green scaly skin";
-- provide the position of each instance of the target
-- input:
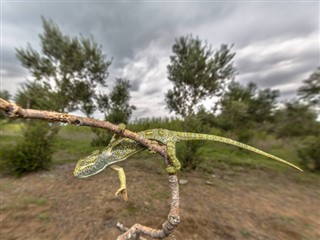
(121, 148)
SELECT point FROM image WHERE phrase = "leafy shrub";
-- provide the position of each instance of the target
(34, 151)
(310, 153)
(102, 137)
(187, 151)
(245, 135)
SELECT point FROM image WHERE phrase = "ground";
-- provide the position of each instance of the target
(234, 203)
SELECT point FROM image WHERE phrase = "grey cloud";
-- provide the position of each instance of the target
(127, 29)
(152, 91)
(256, 63)
(135, 84)
(141, 112)
(288, 94)
(271, 20)
(10, 65)
(121, 28)
(275, 76)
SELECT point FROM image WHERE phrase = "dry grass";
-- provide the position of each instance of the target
(241, 204)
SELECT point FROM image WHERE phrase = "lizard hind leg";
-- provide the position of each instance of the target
(171, 151)
(122, 178)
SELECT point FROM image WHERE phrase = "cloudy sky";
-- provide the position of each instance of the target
(276, 42)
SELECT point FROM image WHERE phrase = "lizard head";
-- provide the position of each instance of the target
(86, 166)
(99, 160)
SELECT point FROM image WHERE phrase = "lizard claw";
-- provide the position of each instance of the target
(122, 127)
(123, 192)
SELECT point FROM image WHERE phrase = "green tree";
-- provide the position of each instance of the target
(118, 108)
(196, 72)
(243, 108)
(70, 68)
(310, 90)
(309, 152)
(296, 120)
(235, 105)
(34, 95)
(67, 72)
(263, 105)
(4, 94)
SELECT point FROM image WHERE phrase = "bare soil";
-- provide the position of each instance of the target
(238, 203)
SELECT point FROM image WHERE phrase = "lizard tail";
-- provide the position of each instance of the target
(196, 136)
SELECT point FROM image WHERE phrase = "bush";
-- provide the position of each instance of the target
(187, 151)
(102, 137)
(245, 135)
(34, 151)
(310, 153)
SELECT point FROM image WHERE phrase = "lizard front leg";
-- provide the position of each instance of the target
(115, 136)
(122, 178)
(171, 151)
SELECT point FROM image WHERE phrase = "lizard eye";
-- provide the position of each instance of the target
(108, 154)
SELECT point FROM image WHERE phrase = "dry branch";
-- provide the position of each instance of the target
(167, 227)
(15, 111)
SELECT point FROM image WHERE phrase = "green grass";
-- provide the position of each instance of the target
(36, 200)
(217, 155)
(70, 144)
(10, 127)
(43, 217)
(9, 140)
(23, 203)
(67, 150)
(73, 142)
(130, 210)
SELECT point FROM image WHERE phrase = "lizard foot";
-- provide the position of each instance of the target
(152, 151)
(171, 170)
(123, 192)
(122, 127)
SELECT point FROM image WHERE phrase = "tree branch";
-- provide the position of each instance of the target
(167, 227)
(14, 111)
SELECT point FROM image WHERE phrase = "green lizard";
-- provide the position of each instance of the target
(121, 148)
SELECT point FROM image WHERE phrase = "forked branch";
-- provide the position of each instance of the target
(15, 111)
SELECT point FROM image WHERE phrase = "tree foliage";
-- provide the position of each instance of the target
(244, 107)
(70, 68)
(35, 95)
(296, 120)
(196, 72)
(66, 73)
(34, 151)
(309, 152)
(310, 90)
(118, 108)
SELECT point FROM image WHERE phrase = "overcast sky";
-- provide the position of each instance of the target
(276, 42)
